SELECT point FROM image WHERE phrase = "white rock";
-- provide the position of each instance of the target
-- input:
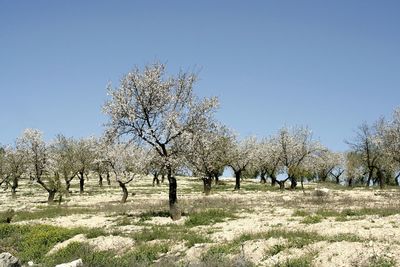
(76, 263)
(8, 260)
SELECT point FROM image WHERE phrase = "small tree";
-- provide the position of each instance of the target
(241, 154)
(127, 163)
(368, 145)
(391, 143)
(84, 156)
(64, 160)
(16, 165)
(37, 154)
(100, 165)
(325, 163)
(150, 107)
(206, 153)
(355, 170)
(296, 146)
(268, 160)
(3, 168)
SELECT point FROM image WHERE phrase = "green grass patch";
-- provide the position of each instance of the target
(294, 239)
(146, 216)
(346, 214)
(275, 249)
(32, 242)
(381, 261)
(170, 232)
(141, 255)
(304, 261)
(311, 219)
(301, 213)
(208, 217)
(47, 212)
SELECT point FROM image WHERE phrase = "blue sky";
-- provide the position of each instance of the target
(327, 64)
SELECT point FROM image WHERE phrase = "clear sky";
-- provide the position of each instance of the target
(327, 64)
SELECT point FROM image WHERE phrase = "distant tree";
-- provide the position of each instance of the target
(241, 154)
(355, 170)
(325, 164)
(16, 166)
(127, 162)
(155, 166)
(391, 144)
(339, 168)
(296, 147)
(84, 156)
(38, 158)
(64, 159)
(3, 169)
(268, 159)
(151, 107)
(100, 165)
(368, 145)
(206, 153)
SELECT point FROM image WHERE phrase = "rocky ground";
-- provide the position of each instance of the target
(259, 225)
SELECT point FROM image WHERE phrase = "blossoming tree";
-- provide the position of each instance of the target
(149, 106)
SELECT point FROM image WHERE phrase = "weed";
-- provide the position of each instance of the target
(311, 219)
(207, 217)
(303, 261)
(275, 249)
(32, 242)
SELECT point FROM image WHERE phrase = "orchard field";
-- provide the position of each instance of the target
(258, 225)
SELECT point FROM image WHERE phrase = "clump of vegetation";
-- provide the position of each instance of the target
(296, 239)
(147, 253)
(303, 261)
(311, 219)
(7, 216)
(32, 242)
(208, 217)
(50, 212)
(346, 214)
(218, 261)
(275, 249)
(381, 261)
(300, 213)
(170, 232)
(145, 216)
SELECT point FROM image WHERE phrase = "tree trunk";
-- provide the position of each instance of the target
(370, 173)
(337, 179)
(81, 184)
(273, 180)
(14, 187)
(108, 179)
(381, 179)
(173, 199)
(13, 192)
(156, 180)
(207, 185)
(216, 177)
(100, 180)
(281, 184)
(238, 174)
(262, 178)
(124, 192)
(67, 186)
(293, 183)
(350, 183)
(52, 194)
(162, 178)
